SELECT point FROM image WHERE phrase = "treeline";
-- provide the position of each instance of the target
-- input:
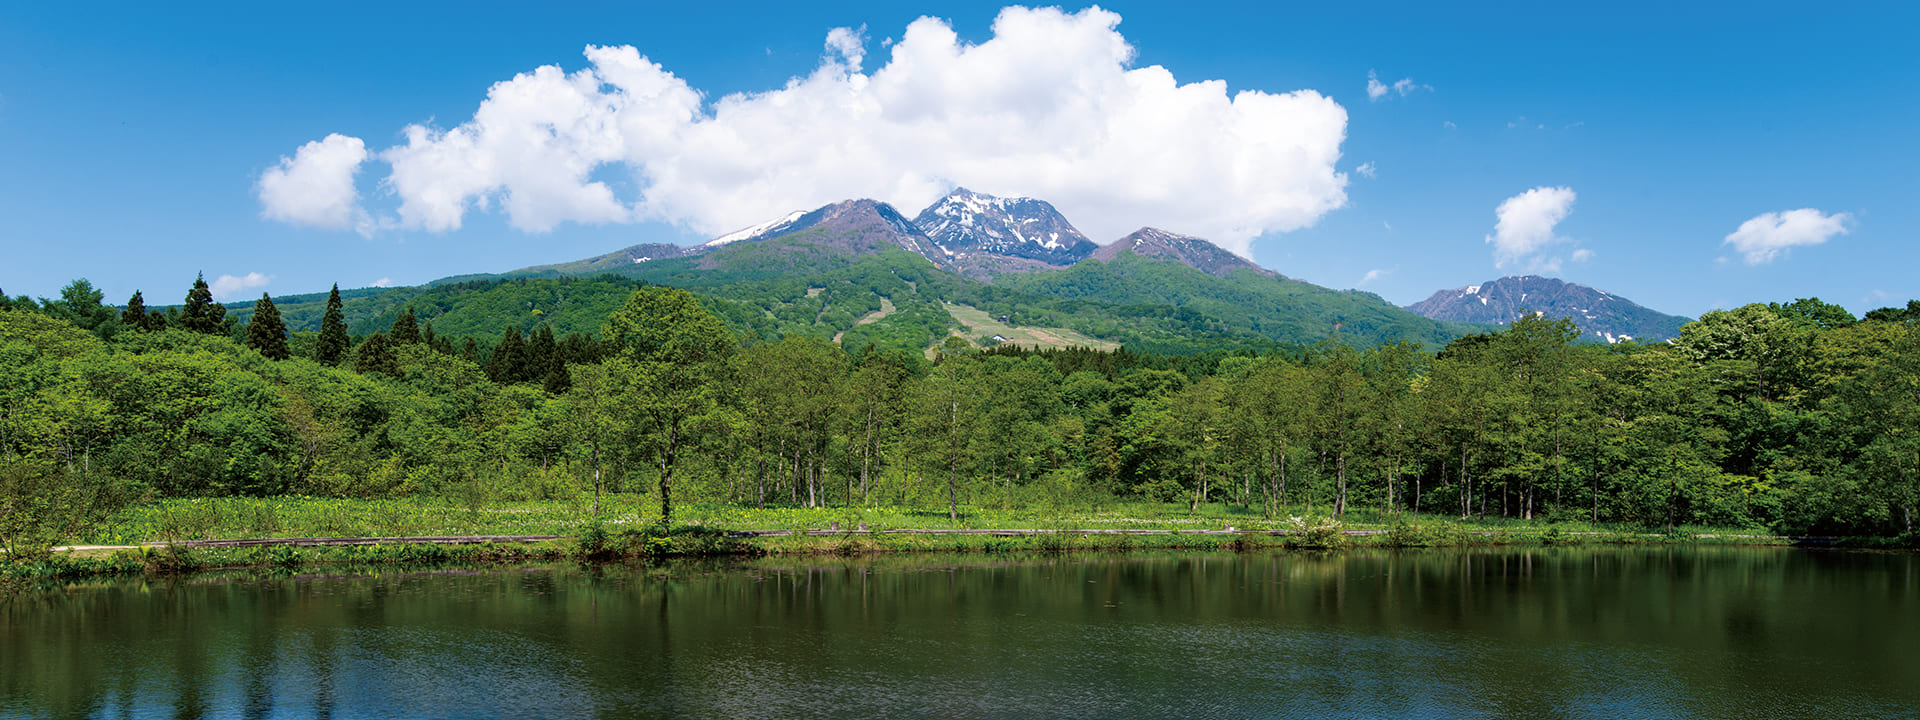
(1797, 417)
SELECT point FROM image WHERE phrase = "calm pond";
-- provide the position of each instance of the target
(1708, 632)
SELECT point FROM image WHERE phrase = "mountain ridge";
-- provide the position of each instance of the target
(1601, 315)
(1194, 252)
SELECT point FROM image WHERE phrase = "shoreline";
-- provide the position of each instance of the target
(83, 562)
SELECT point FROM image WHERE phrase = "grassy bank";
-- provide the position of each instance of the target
(622, 532)
(295, 516)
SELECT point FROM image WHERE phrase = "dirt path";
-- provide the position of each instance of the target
(317, 542)
(886, 308)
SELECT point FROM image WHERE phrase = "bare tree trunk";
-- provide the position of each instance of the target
(666, 473)
(866, 458)
(953, 461)
(1466, 486)
(1283, 478)
(953, 493)
(1273, 484)
(1340, 503)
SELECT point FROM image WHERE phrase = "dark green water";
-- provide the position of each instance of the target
(1748, 633)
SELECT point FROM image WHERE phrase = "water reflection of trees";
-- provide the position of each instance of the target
(1518, 632)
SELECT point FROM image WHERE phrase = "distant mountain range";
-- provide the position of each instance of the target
(1600, 315)
(860, 271)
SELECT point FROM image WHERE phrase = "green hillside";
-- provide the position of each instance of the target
(1246, 302)
(810, 284)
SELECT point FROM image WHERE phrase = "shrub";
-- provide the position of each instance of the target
(42, 504)
(1404, 534)
(1314, 533)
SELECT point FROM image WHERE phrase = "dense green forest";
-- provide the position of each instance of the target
(1796, 417)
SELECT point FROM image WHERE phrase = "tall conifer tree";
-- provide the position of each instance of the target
(135, 316)
(433, 341)
(331, 347)
(509, 358)
(375, 354)
(405, 330)
(200, 313)
(542, 353)
(267, 333)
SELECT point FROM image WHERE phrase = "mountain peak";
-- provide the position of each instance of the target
(1195, 252)
(860, 225)
(1600, 314)
(986, 232)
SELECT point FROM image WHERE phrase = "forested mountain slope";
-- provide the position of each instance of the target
(1242, 300)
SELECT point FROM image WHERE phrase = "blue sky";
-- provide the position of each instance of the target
(1627, 143)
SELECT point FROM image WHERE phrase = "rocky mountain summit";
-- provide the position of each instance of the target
(966, 224)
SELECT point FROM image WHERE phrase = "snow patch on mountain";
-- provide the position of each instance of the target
(769, 227)
(968, 223)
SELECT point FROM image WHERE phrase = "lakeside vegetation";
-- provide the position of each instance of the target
(184, 535)
(1791, 418)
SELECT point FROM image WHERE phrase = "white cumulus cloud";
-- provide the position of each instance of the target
(1525, 227)
(1372, 275)
(1582, 255)
(227, 287)
(1050, 106)
(1767, 236)
(383, 282)
(315, 186)
(1366, 169)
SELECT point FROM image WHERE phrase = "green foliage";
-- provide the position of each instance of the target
(1796, 422)
(1246, 302)
(1813, 312)
(200, 313)
(405, 329)
(509, 362)
(1910, 313)
(43, 503)
(79, 304)
(266, 333)
(136, 316)
(376, 355)
(331, 347)
(673, 353)
(1314, 533)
